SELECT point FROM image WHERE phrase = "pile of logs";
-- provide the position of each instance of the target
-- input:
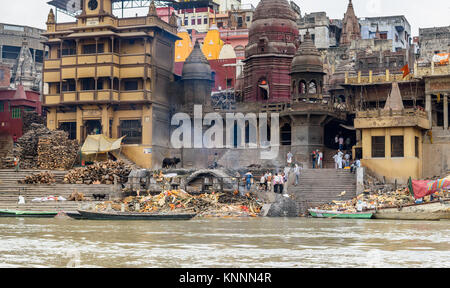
(56, 151)
(99, 173)
(44, 149)
(41, 178)
(30, 117)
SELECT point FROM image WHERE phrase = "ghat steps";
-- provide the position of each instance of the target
(320, 186)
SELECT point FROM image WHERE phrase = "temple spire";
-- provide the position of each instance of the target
(350, 26)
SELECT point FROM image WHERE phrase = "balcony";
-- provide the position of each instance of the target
(100, 96)
(389, 118)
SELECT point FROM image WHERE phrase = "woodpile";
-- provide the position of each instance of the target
(41, 178)
(99, 173)
(41, 148)
(56, 151)
(30, 117)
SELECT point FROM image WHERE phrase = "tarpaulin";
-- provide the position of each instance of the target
(422, 188)
(100, 144)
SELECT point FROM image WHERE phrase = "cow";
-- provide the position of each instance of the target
(170, 163)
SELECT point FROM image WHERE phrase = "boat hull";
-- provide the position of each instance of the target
(428, 211)
(27, 214)
(339, 215)
(91, 215)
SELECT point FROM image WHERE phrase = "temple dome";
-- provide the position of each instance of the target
(196, 66)
(308, 58)
(274, 29)
(268, 9)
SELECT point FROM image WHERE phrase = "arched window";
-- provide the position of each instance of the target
(312, 87)
(263, 89)
(302, 87)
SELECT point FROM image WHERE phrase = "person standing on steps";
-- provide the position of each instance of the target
(297, 171)
(289, 159)
(319, 159)
(314, 159)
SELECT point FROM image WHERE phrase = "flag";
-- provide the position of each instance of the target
(405, 70)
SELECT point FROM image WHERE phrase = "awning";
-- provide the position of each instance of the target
(100, 144)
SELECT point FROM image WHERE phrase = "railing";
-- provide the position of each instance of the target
(390, 113)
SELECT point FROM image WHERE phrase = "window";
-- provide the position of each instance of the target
(205, 20)
(302, 87)
(229, 83)
(193, 21)
(186, 21)
(16, 113)
(132, 129)
(416, 146)
(68, 85)
(248, 19)
(69, 51)
(87, 84)
(10, 52)
(2, 74)
(131, 85)
(2, 107)
(378, 147)
(312, 89)
(397, 147)
(90, 49)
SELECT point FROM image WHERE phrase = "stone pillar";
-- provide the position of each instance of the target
(428, 109)
(79, 124)
(105, 121)
(445, 112)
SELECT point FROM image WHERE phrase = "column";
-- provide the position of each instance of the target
(445, 112)
(428, 108)
(105, 121)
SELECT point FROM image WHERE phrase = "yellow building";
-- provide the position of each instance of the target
(212, 45)
(392, 139)
(111, 76)
(183, 47)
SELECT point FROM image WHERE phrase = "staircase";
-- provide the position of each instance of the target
(10, 191)
(124, 159)
(320, 186)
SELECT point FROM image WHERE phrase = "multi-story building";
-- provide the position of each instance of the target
(324, 32)
(433, 41)
(21, 48)
(196, 15)
(395, 28)
(112, 76)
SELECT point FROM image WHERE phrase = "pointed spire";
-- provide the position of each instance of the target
(152, 9)
(394, 101)
(350, 26)
(173, 19)
(51, 17)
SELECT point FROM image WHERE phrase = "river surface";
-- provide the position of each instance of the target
(229, 243)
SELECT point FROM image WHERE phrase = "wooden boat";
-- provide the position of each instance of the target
(427, 211)
(93, 215)
(28, 214)
(339, 215)
(74, 215)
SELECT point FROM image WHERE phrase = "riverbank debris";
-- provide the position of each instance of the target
(205, 205)
(376, 200)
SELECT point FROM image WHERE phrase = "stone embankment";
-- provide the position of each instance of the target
(10, 191)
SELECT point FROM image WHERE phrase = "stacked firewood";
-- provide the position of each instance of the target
(30, 117)
(99, 173)
(44, 149)
(41, 178)
(56, 151)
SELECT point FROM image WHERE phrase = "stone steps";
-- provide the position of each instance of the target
(319, 186)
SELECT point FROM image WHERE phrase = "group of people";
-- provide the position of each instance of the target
(276, 181)
(342, 143)
(317, 159)
(343, 161)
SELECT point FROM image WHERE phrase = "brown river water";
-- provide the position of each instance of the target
(229, 243)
